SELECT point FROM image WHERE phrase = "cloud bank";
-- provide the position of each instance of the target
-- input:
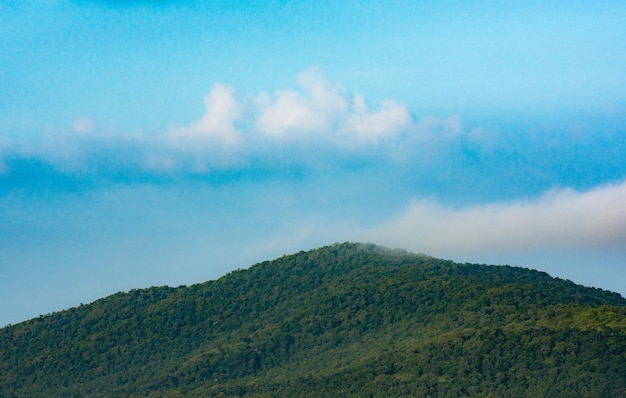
(232, 129)
(562, 219)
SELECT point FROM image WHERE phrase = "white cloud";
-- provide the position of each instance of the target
(234, 130)
(314, 111)
(560, 219)
(210, 141)
(231, 127)
(323, 110)
(216, 126)
(390, 120)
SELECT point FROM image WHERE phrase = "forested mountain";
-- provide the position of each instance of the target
(344, 320)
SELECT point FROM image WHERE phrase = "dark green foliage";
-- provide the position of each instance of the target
(343, 320)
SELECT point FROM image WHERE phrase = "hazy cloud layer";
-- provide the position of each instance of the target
(318, 125)
(559, 219)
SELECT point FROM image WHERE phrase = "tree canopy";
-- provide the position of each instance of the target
(343, 320)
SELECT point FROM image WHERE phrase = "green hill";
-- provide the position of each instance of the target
(344, 320)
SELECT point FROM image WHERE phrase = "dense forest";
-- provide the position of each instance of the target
(344, 320)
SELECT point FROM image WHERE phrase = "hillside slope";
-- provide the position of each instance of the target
(343, 320)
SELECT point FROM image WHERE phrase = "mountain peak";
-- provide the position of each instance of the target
(348, 319)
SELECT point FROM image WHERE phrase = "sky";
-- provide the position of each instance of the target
(147, 143)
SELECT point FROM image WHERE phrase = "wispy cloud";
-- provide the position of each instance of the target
(563, 218)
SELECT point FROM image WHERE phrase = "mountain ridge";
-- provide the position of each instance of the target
(348, 319)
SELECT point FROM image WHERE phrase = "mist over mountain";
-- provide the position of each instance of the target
(344, 320)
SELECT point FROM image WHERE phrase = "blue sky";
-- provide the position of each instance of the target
(168, 142)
